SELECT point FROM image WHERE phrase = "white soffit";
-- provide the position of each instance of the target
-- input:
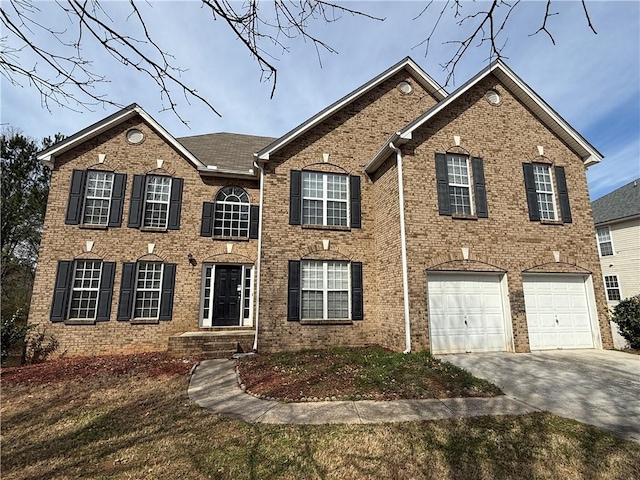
(527, 96)
(407, 63)
(48, 155)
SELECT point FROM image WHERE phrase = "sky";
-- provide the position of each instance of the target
(591, 80)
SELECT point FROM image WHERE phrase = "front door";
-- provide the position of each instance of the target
(227, 293)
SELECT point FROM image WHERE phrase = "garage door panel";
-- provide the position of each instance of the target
(458, 298)
(557, 312)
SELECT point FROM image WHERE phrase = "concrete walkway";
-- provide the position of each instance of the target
(214, 386)
(598, 387)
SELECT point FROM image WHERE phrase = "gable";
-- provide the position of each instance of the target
(407, 65)
(521, 91)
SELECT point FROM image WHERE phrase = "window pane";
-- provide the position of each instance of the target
(324, 199)
(545, 206)
(312, 304)
(97, 198)
(84, 291)
(148, 284)
(157, 201)
(458, 170)
(338, 304)
(231, 213)
(460, 200)
(604, 241)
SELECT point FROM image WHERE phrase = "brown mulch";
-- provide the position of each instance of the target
(58, 370)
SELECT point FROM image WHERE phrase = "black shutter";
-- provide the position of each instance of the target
(354, 189)
(127, 290)
(61, 291)
(357, 298)
(532, 196)
(563, 195)
(105, 294)
(293, 302)
(444, 202)
(206, 223)
(117, 200)
(137, 202)
(175, 204)
(480, 189)
(253, 221)
(295, 198)
(166, 295)
(76, 196)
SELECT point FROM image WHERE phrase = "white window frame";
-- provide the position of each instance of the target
(160, 202)
(613, 252)
(88, 197)
(325, 200)
(84, 289)
(236, 216)
(616, 287)
(244, 321)
(460, 185)
(144, 289)
(325, 288)
(545, 192)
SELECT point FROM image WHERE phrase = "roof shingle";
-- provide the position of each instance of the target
(621, 203)
(231, 151)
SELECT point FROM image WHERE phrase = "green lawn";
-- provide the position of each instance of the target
(123, 423)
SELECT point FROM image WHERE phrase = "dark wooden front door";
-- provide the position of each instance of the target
(226, 295)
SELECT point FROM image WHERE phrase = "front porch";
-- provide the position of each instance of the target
(212, 343)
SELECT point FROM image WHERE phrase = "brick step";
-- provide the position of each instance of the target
(211, 344)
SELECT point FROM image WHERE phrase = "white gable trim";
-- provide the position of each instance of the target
(523, 92)
(48, 156)
(420, 75)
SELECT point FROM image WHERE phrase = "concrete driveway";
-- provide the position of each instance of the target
(598, 387)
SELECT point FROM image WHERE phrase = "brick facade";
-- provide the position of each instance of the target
(505, 136)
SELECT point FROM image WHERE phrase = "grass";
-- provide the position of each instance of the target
(130, 425)
(356, 373)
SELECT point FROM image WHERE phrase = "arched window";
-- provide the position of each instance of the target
(232, 213)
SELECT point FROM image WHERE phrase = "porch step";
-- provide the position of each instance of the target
(211, 344)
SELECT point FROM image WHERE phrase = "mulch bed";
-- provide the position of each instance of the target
(58, 370)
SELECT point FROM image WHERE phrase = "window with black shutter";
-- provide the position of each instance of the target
(325, 199)
(541, 191)
(461, 186)
(146, 291)
(96, 198)
(83, 291)
(156, 202)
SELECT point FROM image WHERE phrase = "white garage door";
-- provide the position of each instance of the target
(557, 312)
(466, 313)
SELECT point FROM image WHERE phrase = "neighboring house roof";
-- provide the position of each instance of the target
(232, 152)
(407, 63)
(522, 92)
(48, 156)
(620, 204)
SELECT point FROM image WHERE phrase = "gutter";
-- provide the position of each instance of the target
(403, 245)
(258, 262)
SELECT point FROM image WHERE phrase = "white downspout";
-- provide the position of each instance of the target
(403, 244)
(257, 302)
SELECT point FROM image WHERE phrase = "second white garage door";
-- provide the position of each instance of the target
(466, 313)
(557, 312)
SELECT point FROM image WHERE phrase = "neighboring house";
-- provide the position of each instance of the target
(400, 215)
(617, 220)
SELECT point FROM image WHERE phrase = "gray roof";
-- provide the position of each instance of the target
(231, 151)
(621, 203)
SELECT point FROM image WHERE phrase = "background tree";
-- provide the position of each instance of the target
(25, 187)
(64, 75)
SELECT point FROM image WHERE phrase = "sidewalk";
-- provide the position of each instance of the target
(214, 386)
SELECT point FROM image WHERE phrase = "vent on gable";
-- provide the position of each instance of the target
(405, 88)
(492, 97)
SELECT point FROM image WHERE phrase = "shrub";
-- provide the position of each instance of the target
(627, 315)
(40, 346)
(14, 331)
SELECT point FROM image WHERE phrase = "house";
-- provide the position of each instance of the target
(617, 220)
(400, 215)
